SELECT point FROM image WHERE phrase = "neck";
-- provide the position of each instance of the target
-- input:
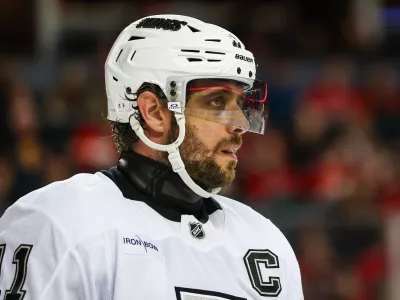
(143, 179)
(142, 149)
(157, 180)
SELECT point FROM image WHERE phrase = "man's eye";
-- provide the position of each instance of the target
(217, 102)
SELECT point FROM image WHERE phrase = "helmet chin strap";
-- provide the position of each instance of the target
(174, 156)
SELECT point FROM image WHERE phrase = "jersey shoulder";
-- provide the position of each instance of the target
(80, 205)
(77, 191)
(243, 212)
(255, 222)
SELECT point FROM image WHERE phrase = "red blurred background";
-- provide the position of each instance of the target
(327, 171)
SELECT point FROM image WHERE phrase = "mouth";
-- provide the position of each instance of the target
(230, 151)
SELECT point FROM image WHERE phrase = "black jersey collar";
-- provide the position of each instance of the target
(141, 178)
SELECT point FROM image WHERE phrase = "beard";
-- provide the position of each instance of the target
(200, 161)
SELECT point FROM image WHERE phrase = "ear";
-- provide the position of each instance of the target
(154, 113)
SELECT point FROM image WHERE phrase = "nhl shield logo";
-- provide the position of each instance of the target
(196, 230)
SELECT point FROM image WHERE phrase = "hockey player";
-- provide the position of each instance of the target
(181, 93)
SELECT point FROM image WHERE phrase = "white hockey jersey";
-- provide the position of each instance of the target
(81, 239)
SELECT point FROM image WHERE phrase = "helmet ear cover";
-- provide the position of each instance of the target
(132, 97)
(151, 87)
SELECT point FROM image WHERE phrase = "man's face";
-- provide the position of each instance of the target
(204, 149)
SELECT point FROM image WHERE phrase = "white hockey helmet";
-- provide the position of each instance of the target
(170, 51)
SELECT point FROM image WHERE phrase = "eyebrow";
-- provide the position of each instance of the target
(217, 91)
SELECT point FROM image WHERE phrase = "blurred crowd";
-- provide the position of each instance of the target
(329, 164)
(327, 170)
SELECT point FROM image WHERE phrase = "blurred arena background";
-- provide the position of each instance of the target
(327, 171)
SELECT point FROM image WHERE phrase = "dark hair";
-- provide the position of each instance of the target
(123, 135)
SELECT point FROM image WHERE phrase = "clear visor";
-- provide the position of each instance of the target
(228, 102)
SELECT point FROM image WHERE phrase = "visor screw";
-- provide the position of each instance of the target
(128, 90)
(239, 70)
(172, 93)
(173, 84)
(250, 74)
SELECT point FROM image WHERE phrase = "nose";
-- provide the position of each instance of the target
(238, 123)
(236, 130)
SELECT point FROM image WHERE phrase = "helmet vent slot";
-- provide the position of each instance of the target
(193, 59)
(119, 54)
(213, 60)
(213, 52)
(213, 40)
(134, 38)
(193, 29)
(133, 55)
(190, 50)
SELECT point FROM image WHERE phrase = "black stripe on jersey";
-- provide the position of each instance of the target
(179, 290)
